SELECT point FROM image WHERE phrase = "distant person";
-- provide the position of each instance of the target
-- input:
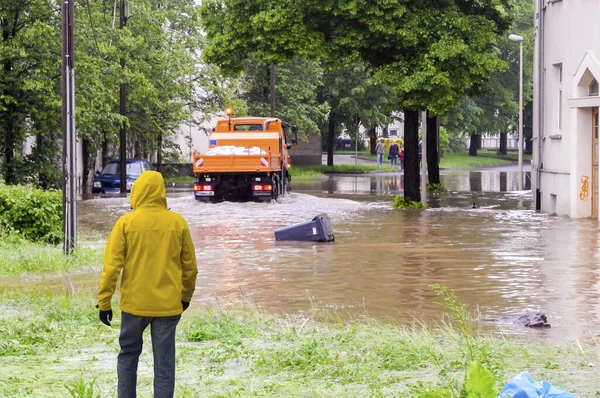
(420, 149)
(393, 154)
(380, 150)
(152, 249)
(401, 157)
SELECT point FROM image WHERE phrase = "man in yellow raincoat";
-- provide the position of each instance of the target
(152, 249)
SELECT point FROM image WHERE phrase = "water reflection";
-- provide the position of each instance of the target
(393, 183)
(501, 258)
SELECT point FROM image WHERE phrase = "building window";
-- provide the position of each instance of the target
(594, 88)
(560, 95)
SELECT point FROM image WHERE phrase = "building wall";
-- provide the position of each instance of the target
(308, 153)
(567, 49)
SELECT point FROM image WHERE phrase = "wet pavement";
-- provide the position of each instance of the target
(501, 258)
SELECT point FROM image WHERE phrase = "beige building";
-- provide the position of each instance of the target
(565, 176)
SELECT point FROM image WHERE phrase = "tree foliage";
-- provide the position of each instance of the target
(165, 79)
(494, 107)
(428, 53)
(298, 83)
(29, 81)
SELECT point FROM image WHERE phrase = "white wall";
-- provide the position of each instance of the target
(567, 37)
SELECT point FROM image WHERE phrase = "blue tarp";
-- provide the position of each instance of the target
(522, 386)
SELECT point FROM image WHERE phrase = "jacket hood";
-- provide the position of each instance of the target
(148, 190)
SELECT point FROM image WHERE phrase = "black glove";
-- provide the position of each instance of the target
(106, 317)
(185, 305)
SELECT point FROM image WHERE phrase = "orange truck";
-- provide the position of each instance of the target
(247, 159)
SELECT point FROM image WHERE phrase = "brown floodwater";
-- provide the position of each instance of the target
(501, 258)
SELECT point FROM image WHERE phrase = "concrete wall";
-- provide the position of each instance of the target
(308, 153)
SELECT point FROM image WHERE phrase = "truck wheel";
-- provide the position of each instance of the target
(287, 187)
(275, 191)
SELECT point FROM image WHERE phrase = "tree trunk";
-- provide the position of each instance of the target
(10, 176)
(330, 138)
(528, 145)
(473, 146)
(104, 152)
(433, 155)
(373, 139)
(385, 133)
(159, 154)
(88, 160)
(503, 143)
(411, 156)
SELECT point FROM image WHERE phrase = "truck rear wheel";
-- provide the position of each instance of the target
(286, 184)
(275, 189)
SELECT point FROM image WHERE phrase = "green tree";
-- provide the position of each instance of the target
(428, 53)
(166, 82)
(355, 100)
(29, 82)
(493, 108)
(298, 83)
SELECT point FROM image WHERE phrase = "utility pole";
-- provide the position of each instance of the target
(272, 88)
(124, 14)
(68, 127)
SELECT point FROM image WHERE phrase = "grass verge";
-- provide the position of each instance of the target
(484, 158)
(54, 345)
(312, 171)
(18, 256)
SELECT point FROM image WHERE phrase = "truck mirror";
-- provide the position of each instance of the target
(294, 135)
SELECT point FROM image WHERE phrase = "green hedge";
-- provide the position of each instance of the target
(32, 213)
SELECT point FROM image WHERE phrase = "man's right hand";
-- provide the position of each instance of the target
(106, 317)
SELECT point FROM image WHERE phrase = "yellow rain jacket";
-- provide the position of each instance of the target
(154, 249)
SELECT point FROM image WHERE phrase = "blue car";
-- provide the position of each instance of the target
(109, 180)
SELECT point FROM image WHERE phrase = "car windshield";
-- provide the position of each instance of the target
(133, 169)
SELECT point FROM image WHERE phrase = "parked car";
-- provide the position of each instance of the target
(109, 179)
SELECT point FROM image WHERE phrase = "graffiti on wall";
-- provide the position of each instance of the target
(583, 195)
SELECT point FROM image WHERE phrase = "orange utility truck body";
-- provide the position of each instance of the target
(247, 159)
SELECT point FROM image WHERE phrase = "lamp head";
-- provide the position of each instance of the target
(514, 37)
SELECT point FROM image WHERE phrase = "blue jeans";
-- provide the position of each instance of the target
(379, 159)
(162, 331)
(394, 160)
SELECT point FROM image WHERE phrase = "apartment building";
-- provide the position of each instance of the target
(565, 176)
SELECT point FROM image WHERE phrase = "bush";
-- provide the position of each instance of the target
(400, 202)
(32, 213)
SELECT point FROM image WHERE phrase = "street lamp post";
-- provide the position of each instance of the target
(519, 39)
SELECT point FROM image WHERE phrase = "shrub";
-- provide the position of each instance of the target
(32, 213)
(400, 202)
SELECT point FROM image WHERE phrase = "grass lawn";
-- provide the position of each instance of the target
(462, 160)
(312, 171)
(53, 344)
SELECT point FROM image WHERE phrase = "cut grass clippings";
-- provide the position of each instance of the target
(51, 344)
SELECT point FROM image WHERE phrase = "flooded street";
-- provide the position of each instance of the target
(501, 258)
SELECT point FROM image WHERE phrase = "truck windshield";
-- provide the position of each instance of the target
(248, 127)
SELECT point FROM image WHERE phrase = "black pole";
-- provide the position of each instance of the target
(123, 112)
(68, 126)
